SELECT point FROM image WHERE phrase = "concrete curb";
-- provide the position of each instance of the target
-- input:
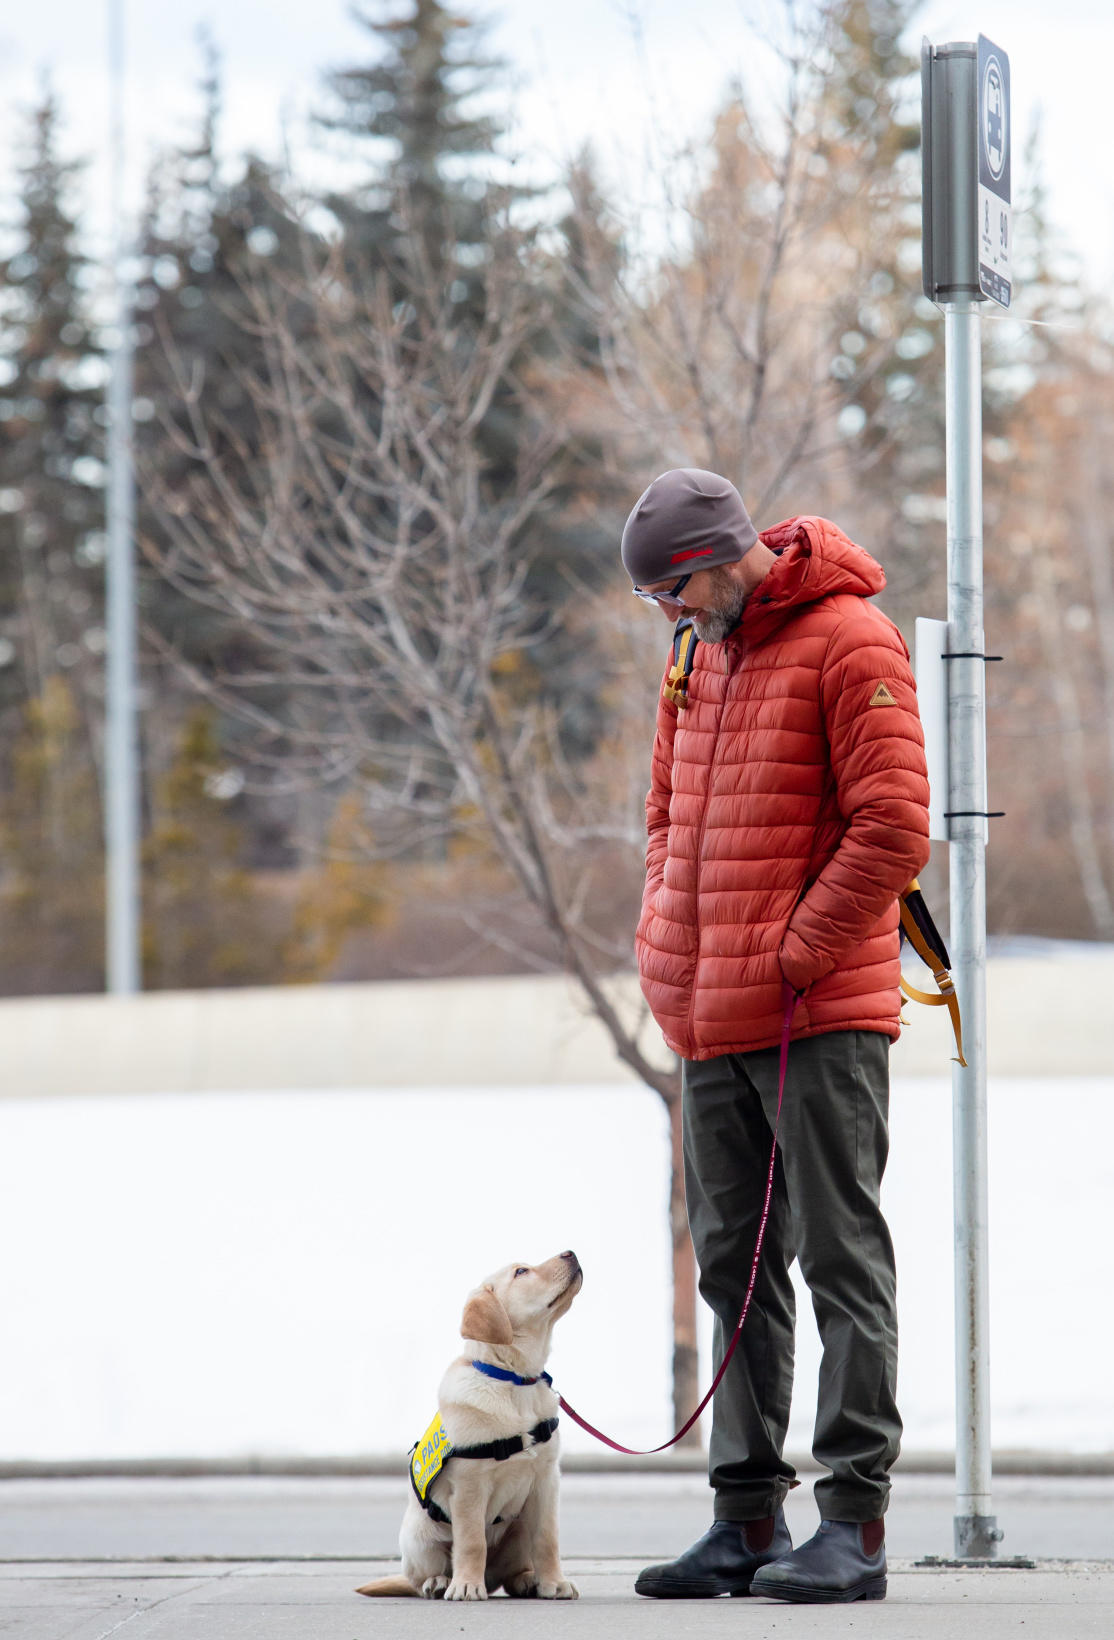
(392, 1465)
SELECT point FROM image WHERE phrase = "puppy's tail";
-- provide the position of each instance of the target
(388, 1586)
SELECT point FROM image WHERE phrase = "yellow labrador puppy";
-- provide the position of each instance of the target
(482, 1513)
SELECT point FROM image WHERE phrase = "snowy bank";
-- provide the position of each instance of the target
(281, 1274)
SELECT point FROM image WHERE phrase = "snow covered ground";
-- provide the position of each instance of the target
(282, 1274)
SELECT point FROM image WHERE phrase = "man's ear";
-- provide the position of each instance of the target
(485, 1319)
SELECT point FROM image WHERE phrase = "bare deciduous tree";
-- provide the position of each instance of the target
(389, 577)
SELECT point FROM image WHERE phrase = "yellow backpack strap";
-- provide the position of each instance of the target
(676, 684)
(925, 938)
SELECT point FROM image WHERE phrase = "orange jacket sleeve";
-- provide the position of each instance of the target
(869, 703)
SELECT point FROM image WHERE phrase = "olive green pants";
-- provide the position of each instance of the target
(832, 1145)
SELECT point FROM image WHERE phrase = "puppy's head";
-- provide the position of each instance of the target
(517, 1306)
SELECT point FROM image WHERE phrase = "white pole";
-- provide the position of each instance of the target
(976, 1531)
(121, 762)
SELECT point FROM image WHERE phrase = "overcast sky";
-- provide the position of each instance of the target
(615, 72)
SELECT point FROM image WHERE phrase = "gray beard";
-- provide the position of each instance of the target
(723, 620)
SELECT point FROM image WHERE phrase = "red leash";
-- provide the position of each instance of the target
(790, 998)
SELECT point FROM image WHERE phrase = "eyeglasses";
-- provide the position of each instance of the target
(668, 600)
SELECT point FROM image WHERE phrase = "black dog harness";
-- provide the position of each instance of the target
(436, 1449)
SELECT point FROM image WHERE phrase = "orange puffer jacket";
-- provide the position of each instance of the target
(788, 810)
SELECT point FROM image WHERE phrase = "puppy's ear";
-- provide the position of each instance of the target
(485, 1319)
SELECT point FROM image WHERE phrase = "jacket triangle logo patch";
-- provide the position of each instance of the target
(882, 697)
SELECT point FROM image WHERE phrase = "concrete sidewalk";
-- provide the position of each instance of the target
(221, 1559)
(314, 1601)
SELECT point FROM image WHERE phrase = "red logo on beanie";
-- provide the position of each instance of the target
(690, 552)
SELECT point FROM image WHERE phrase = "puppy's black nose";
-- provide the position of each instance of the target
(571, 1256)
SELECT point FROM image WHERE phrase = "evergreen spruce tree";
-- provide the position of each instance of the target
(434, 217)
(207, 245)
(430, 216)
(204, 247)
(51, 439)
(203, 242)
(431, 153)
(51, 619)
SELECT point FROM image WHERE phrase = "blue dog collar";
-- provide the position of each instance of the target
(508, 1377)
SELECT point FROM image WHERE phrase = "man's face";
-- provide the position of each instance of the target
(714, 600)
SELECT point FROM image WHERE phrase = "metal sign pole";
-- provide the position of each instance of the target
(121, 777)
(967, 235)
(976, 1531)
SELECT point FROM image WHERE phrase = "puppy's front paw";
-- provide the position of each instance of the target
(558, 1591)
(458, 1589)
(434, 1588)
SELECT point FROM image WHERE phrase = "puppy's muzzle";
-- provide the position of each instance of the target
(576, 1277)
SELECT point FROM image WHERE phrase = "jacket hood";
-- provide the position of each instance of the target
(816, 560)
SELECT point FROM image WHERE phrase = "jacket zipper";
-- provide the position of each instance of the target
(700, 845)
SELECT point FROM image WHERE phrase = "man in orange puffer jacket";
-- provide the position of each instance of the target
(788, 810)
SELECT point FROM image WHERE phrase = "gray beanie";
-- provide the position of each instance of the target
(687, 520)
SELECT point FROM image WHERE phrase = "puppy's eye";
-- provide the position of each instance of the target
(523, 1270)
